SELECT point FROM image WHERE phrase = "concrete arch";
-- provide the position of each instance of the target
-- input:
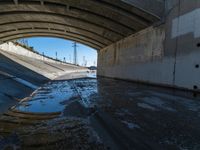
(18, 26)
(52, 29)
(99, 22)
(12, 19)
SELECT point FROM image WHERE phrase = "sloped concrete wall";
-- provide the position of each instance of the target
(165, 55)
(17, 49)
(22, 71)
(42, 65)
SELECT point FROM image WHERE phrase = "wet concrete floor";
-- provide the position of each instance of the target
(89, 113)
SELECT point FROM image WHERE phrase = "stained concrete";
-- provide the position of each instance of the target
(165, 54)
(155, 7)
(138, 57)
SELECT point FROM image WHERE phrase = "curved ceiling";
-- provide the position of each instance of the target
(96, 23)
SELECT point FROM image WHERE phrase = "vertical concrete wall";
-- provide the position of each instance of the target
(138, 57)
(182, 38)
(168, 54)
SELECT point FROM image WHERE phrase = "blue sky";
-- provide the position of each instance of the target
(64, 49)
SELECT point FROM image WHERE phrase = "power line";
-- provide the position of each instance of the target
(23, 41)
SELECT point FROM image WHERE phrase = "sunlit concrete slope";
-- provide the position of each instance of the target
(22, 71)
(42, 65)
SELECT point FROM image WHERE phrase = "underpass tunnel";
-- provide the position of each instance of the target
(144, 96)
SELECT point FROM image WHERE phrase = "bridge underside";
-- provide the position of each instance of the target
(96, 23)
(135, 42)
(140, 40)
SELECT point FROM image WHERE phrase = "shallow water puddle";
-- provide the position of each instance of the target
(48, 98)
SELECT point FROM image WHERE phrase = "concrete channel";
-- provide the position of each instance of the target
(90, 113)
(51, 108)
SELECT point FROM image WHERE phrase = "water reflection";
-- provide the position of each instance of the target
(123, 108)
(53, 96)
(48, 98)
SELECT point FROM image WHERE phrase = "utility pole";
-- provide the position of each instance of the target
(70, 60)
(75, 53)
(43, 55)
(84, 61)
(56, 55)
